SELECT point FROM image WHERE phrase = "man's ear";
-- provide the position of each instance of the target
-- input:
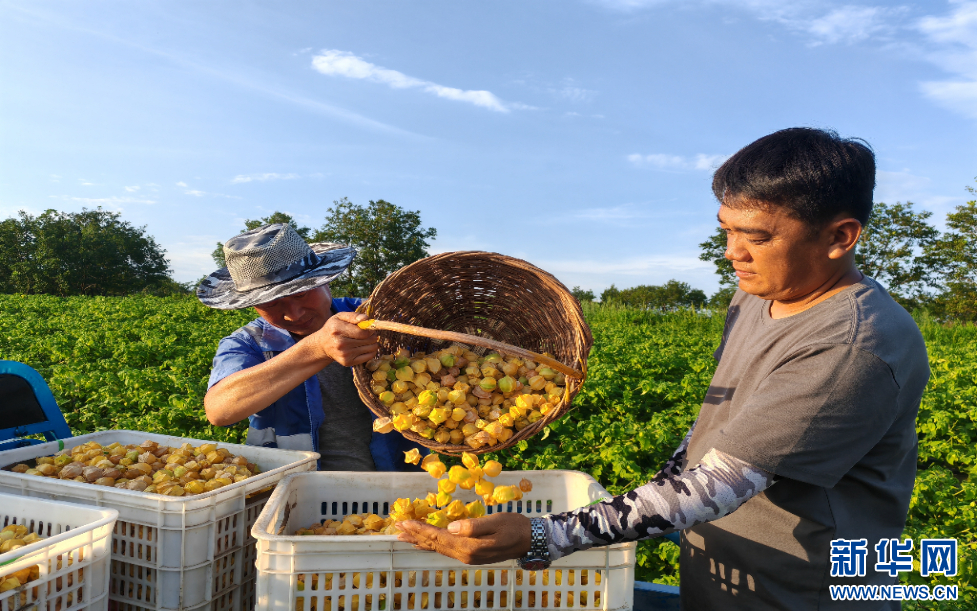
(842, 235)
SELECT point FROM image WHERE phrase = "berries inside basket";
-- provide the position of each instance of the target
(496, 299)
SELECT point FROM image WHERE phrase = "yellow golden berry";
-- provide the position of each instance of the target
(427, 399)
(442, 435)
(412, 456)
(383, 425)
(458, 474)
(457, 437)
(492, 468)
(418, 365)
(438, 519)
(399, 387)
(433, 364)
(469, 460)
(475, 509)
(525, 485)
(385, 397)
(484, 487)
(446, 485)
(456, 510)
(443, 499)
(402, 422)
(537, 382)
(503, 494)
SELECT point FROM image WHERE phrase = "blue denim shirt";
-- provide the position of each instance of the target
(293, 421)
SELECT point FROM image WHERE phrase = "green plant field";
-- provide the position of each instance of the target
(142, 363)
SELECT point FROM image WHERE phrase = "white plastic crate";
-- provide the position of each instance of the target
(377, 572)
(72, 558)
(168, 552)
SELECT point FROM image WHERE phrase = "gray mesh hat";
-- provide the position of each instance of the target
(269, 262)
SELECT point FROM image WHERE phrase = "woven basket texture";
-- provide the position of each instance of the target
(479, 293)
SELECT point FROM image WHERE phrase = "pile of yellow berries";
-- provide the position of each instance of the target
(12, 537)
(148, 467)
(437, 508)
(455, 396)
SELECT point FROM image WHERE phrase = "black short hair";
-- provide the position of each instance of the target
(813, 173)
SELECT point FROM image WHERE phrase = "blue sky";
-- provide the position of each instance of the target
(579, 135)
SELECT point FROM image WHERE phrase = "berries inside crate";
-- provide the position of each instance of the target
(70, 562)
(171, 552)
(377, 572)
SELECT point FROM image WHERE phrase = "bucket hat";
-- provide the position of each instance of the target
(270, 262)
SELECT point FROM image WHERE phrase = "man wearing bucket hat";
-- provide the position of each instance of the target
(288, 371)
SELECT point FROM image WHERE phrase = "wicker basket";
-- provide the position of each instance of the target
(483, 294)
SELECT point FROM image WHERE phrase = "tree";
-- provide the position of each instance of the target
(92, 252)
(249, 224)
(610, 294)
(666, 297)
(714, 250)
(955, 255)
(721, 298)
(581, 294)
(892, 250)
(386, 238)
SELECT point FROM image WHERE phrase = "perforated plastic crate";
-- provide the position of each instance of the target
(71, 560)
(376, 572)
(169, 552)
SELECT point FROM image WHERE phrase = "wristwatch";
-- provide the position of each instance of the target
(538, 558)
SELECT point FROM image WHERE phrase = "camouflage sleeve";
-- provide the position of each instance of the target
(714, 488)
(675, 464)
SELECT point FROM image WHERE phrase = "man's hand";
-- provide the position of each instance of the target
(494, 538)
(342, 341)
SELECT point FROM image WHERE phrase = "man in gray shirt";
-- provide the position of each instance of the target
(807, 431)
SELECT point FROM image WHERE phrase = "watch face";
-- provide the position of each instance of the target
(535, 565)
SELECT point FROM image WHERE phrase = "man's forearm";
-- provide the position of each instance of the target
(247, 392)
(713, 489)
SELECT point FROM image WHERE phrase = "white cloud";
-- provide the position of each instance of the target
(195, 193)
(55, 178)
(131, 189)
(903, 185)
(262, 177)
(678, 162)
(822, 22)
(954, 49)
(181, 184)
(334, 62)
(570, 90)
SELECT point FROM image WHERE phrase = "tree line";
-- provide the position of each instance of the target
(921, 267)
(95, 252)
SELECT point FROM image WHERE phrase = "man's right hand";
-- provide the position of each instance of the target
(342, 341)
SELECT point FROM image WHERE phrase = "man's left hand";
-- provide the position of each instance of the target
(495, 538)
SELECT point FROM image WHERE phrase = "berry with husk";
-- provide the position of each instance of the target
(458, 474)
(492, 468)
(412, 456)
(469, 460)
